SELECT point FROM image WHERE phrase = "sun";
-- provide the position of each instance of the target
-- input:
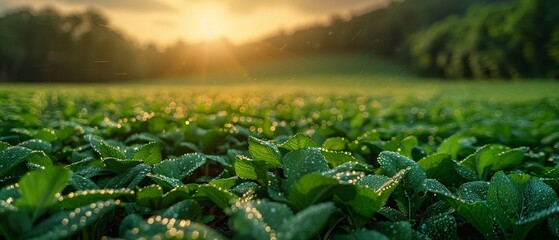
(209, 23)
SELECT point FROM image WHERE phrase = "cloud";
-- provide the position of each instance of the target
(129, 5)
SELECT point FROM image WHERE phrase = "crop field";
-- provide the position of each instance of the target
(331, 159)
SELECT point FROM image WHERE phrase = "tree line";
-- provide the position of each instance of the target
(449, 39)
(439, 38)
(515, 39)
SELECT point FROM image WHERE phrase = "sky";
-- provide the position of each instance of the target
(165, 21)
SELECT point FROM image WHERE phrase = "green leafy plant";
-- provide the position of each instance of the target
(387, 169)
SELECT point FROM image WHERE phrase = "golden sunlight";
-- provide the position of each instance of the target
(208, 22)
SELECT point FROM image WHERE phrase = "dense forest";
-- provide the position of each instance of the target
(438, 38)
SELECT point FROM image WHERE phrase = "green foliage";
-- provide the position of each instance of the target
(39, 189)
(150, 153)
(11, 157)
(299, 141)
(249, 169)
(491, 158)
(520, 202)
(67, 223)
(508, 39)
(439, 166)
(81, 198)
(263, 220)
(180, 167)
(316, 188)
(411, 169)
(265, 151)
(301, 162)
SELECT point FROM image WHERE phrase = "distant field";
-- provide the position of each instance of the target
(372, 86)
(332, 156)
(338, 74)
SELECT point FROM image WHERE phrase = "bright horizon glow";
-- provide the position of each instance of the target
(164, 22)
(209, 23)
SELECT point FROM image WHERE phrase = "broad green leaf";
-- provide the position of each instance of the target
(180, 167)
(480, 216)
(551, 178)
(519, 202)
(119, 165)
(248, 169)
(315, 188)
(335, 158)
(129, 179)
(441, 167)
(300, 162)
(344, 177)
(65, 224)
(451, 146)
(153, 197)
(150, 196)
(186, 209)
(402, 146)
(467, 173)
(392, 163)
(307, 223)
(493, 158)
(132, 220)
(39, 159)
(178, 194)
(103, 149)
(224, 160)
(274, 214)
(157, 227)
(224, 183)
(246, 190)
(106, 150)
(37, 144)
(349, 171)
(474, 191)
(299, 141)
(335, 144)
(46, 134)
(392, 214)
(39, 189)
(81, 183)
(258, 219)
(437, 187)
(373, 192)
(81, 198)
(397, 230)
(537, 216)
(164, 181)
(506, 199)
(410, 193)
(274, 189)
(142, 137)
(150, 153)
(476, 213)
(261, 150)
(212, 139)
(440, 227)
(11, 157)
(553, 225)
(437, 209)
(220, 197)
